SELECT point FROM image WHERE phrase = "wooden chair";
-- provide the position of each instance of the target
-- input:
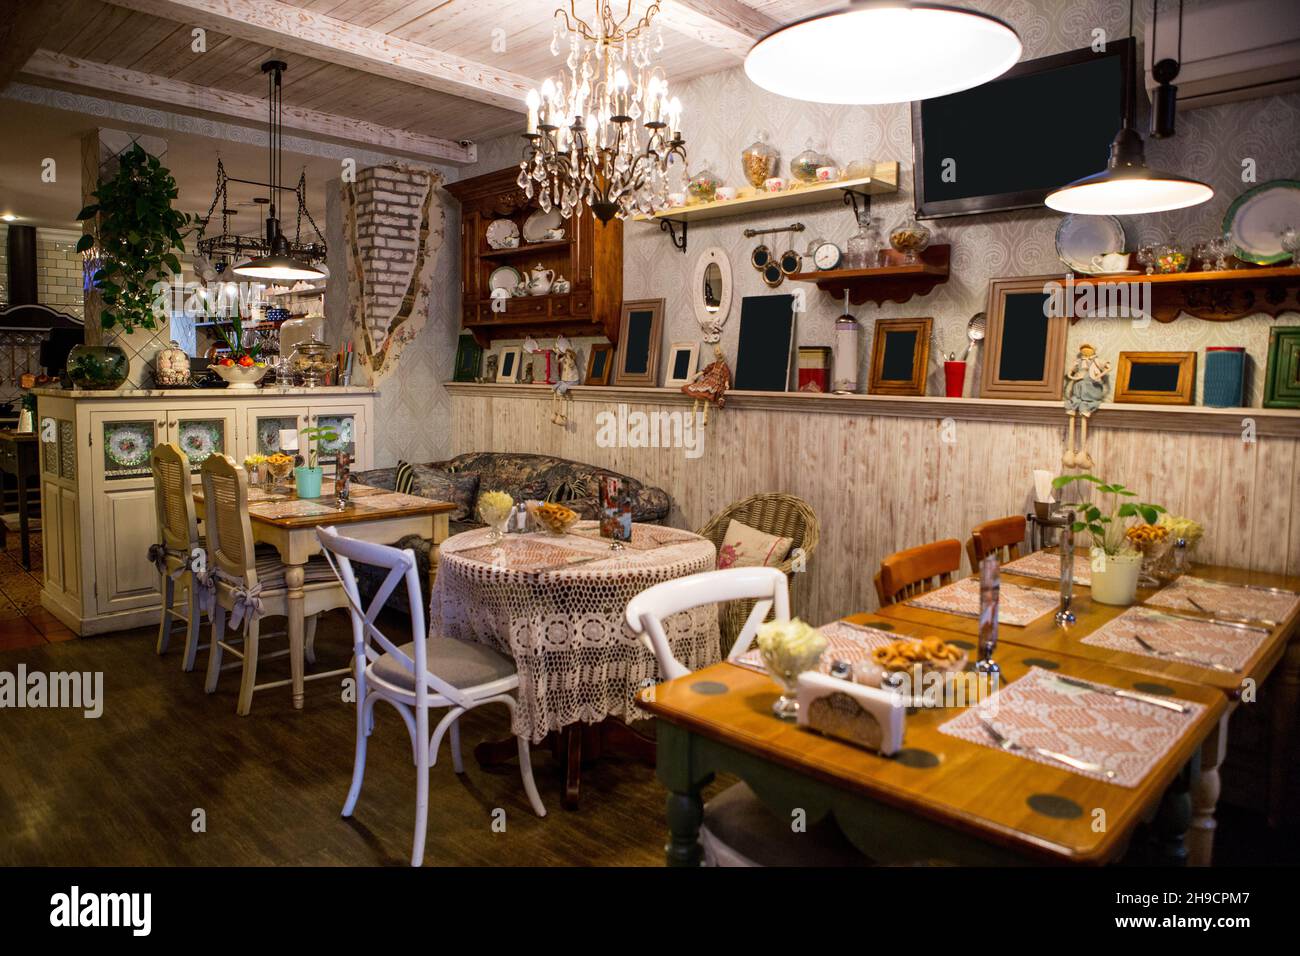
(738, 830)
(908, 573)
(178, 540)
(424, 673)
(772, 513)
(250, 585)
(1001, 536)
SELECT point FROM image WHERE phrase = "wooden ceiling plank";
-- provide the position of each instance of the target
(48, 66)
(291, 28)
(24, 24)
(727, 25)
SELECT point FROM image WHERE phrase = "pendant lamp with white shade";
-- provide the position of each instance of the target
(279, 264)
(1128, 186)
(883, 51)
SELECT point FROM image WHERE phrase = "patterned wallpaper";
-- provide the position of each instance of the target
(724, 112)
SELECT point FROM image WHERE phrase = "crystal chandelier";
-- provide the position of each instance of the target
(604, 131)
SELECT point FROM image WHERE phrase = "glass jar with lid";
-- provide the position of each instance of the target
(171, 367)
(312, 362)
(301, 328)
(759, 160)
(804, 166)
(860, 251)
(703, 186)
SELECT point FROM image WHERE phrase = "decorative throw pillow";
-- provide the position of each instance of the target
(746, 547)
(405, 477)
(459, 489)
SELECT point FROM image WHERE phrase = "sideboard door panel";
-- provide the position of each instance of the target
(124, 515)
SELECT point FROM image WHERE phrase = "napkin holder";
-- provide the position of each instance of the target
(855, 713)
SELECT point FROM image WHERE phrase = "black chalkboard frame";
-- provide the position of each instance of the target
(647, 355)
(1183, 392)
(766, 343)
(919, 364)
(1046, 387)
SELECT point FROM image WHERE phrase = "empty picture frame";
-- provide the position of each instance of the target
(900, 356)
(640, 327)
(600, 360)
(1024, 343)
(682, 359)
(765, 348)
(1156, 378)
(508, 366)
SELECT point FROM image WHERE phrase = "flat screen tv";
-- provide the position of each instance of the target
(1007, 143)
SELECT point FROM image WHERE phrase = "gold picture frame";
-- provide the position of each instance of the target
(1156, 378)
(1030, 363)
(900, 356)
(640, 329)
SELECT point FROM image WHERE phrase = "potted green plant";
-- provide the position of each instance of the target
(1116, 564)
(308, 477)
(138, 235)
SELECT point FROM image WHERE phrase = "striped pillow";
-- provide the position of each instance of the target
(405, 477)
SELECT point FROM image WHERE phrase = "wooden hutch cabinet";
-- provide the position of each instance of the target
(590, 256)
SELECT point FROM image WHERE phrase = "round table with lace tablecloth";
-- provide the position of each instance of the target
(556, 605)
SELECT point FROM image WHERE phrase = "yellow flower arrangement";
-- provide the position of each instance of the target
(494, 507)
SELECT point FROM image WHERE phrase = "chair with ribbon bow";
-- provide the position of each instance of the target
(248, 583)
(178, 555)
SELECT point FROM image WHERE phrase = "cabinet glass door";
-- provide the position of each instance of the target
(127, 447)
(343, 426)
(201, 438)
(266, 432)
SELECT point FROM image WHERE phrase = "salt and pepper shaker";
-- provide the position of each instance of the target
(990, 586)
(1065, 615)
(343, 480)
(1180, 556)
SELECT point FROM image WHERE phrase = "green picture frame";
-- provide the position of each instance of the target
(469, 359)
(1282, 377)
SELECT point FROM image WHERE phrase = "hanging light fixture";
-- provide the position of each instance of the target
(605, 130)
(883, 51)
(278, 263)
(1128, 186)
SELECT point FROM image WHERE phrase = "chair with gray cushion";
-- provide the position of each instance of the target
(423, 674)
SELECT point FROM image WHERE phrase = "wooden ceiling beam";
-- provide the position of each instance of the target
(728, 25)
(46, 68)
(24, 24)
(299, 30)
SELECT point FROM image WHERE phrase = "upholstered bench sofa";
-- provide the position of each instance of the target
(463, 478)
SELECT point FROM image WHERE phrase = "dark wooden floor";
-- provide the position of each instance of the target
(123, 789)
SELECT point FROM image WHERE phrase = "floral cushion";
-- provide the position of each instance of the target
(746, 547)
(460, 489)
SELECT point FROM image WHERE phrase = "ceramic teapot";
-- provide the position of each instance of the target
(540, 280)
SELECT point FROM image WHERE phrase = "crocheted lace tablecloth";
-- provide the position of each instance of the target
(559, 614)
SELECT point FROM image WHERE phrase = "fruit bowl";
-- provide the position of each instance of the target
(241, 376)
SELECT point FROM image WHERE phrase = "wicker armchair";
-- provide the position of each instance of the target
(786, 515)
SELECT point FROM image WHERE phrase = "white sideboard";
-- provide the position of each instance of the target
(97, 509)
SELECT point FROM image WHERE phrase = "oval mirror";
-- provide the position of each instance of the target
(711, 292)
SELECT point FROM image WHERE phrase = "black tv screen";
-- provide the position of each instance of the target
(1006, 144)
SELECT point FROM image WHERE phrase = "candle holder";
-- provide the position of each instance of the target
(990, 588)
(1064, 520)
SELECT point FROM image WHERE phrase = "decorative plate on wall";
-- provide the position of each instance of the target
(1256, 218)
(1079, 238)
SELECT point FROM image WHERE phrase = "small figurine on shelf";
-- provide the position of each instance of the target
(710, 384)
(568, 377)
(1085, 387)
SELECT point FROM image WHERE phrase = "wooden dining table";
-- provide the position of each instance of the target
(288, 523)
(941, 798)
(1278, 654)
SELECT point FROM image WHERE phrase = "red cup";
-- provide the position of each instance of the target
(954, 377)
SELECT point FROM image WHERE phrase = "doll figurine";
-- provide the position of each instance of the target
(1085, 387)
(569, 375)
(709, 386)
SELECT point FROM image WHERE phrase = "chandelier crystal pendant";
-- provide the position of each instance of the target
(605, 130)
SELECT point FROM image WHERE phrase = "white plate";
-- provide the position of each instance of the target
(500, 232)
(539, 223)
(504, 277)
(1256, 218)
(1079, 238)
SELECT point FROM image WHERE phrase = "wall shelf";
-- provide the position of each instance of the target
(882, 181)
(891, 281)
(1217, 296)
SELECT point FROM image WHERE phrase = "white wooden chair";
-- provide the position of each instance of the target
(250, 583)
(738, 830)
(173, 555)
(457, 675)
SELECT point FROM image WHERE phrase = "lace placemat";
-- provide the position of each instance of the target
(645, 537)
(850, 643)
(1207, 643)
(1219, 599)
(1126, 736)
(1016, 605)
(1047, 565)
(526, 553)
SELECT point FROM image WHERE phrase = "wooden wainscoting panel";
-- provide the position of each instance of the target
(880, 483)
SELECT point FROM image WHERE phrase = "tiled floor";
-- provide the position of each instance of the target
(23, 622)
